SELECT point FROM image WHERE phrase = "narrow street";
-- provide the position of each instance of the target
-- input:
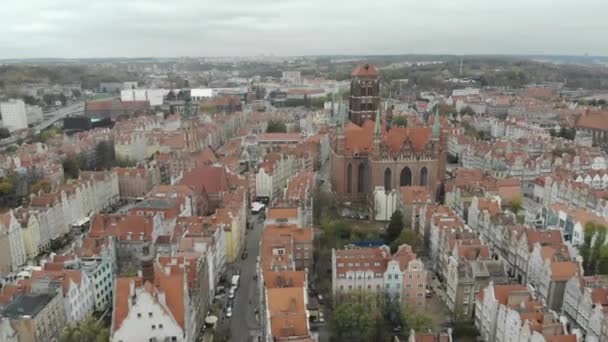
(244, 325)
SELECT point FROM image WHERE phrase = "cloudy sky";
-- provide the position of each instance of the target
(131, 28)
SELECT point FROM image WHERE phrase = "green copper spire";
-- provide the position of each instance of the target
(377, 130)
(187, 104)
(436, 126)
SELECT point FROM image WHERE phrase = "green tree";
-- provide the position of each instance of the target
(105, 155)
(467, 111)
(7, 186)
(63, 99)
(400, 121)
(407, 236)
(76, 93)
(602, 265)
(71, 167)
(42, 185)
(85, 331)
(417, 321)
(276, 127)
(355, 319)
(49, 99)
(395, 226)
(516, 205)
(585, 250)
(4, 133)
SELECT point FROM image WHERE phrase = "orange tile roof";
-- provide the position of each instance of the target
(120, 225)
(365, 70)
(287, 312)
(593, 120)
(564, 271)
(415, 194)
(502, 292)
(170, 280)
(284, 279)
(276, 213)
(278, 137)
(417, 136)
(361, 259)
(210, 178)
(121, 299)
(560, 338)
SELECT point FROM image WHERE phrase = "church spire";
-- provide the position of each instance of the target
(377, 130)
(436, 126)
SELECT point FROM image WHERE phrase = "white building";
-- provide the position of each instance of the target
(146, 312)
(154, 96)
(14, 115)
(76, 287)
(12, 252)
(292, 77)
(495, 315)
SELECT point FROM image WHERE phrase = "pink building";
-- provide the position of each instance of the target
(401, 275)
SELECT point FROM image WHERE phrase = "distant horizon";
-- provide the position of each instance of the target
(75, 29)
(522, 55)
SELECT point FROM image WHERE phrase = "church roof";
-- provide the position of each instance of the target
(365, 70)
(360, 139)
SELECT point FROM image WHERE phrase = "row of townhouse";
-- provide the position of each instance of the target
(400, 276)
(470, 183)
(27, 231)
(564, 189)
(275, 171)
(536, 257)
(510, 312)
(585, 306)
(69, 287)
(286, 251)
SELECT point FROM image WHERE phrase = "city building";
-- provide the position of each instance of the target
(14, 115)
(364, 98)
(400, 276)
(370, 160)
(136, 182)
(35, 317)
(12, 249)
(147, 311)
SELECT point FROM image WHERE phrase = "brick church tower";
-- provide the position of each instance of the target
(364, 94)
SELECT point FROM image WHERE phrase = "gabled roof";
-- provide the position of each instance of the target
(120, 225)
(365, 70)
(287, 312)
(210, 178)
(284, 279)
(593, 120)
(564, 271)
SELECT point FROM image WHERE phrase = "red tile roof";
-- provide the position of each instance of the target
(120, 225)
(593, 120)
(365, 70)
(287, 312)
(210, 178)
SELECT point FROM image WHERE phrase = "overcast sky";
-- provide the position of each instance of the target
(164, 28)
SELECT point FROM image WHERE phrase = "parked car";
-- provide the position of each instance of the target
(244, 255)
(229, 312)
(231, 293)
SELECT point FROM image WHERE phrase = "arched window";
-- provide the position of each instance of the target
(349, 178)
(361, 179)
(406, 177)
(424, 175)
(387, 179)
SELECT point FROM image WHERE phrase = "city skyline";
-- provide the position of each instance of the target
(72, 29)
